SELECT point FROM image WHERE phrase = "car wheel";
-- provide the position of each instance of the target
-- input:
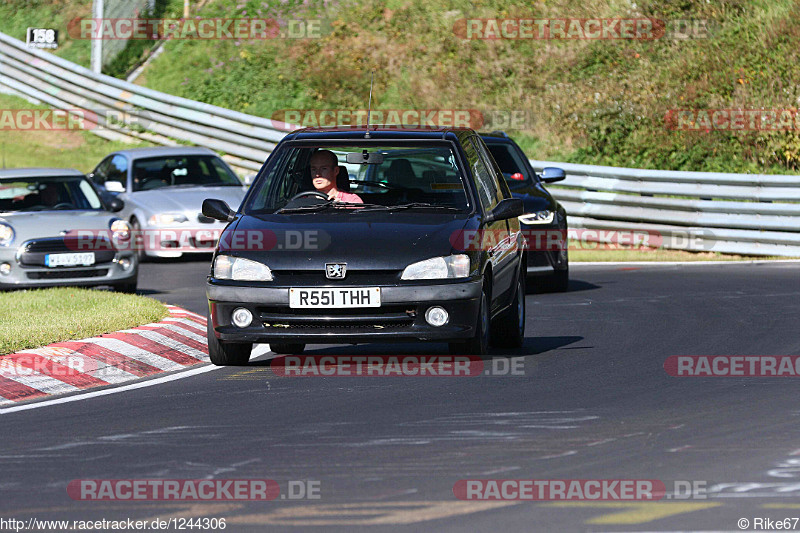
(479, 343)
(128, 287)
(291, 348)
(138, 243)
(508, 330)
(226, 353)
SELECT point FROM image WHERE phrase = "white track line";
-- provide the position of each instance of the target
(671, 263)
(258, 351)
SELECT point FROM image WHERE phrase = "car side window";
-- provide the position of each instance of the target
(484, 180)
(101, 172)
(118, 170)
(499, 181)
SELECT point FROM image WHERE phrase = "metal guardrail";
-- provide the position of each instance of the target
(129, 110)
(749, 214)
(729, 213)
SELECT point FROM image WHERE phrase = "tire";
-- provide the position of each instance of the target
(128, 287)
(139, 246)
(479, 343)
(226, 353)
(290, 348)
(508, 330)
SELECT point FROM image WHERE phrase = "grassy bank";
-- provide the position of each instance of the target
(71, 314)
(588, 101)
(65, 148)
(577, 100)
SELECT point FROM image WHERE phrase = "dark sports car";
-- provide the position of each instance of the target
(544, 218)
(386, 263)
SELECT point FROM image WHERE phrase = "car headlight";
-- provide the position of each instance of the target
(239, 269)
(452, 266)
(6, 234)
(120, 229)
(538, 217)
(165, 219)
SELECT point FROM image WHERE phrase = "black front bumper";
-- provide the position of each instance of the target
(401, 316)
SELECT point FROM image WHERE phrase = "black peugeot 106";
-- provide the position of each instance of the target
(369, 235)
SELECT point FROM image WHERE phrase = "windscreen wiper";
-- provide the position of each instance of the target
(304, 208)
(422, 205)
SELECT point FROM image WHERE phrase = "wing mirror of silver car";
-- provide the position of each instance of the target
(218, 210)
(114, 186)
(115, 205)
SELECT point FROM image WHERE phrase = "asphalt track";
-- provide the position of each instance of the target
(594, 403)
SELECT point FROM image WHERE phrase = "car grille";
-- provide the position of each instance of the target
(33, 252)
(68, 274)
(312, 278)
(372, 319)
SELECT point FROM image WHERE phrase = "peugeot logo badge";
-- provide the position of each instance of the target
(335, 270)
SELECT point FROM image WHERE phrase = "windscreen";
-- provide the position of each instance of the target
(424, 176)
(182, 171)
(47, 194)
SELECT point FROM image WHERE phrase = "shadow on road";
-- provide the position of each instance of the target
(531, 346)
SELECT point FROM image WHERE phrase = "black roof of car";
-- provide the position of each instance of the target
(496, 136)
(38, 172)
(379, 132)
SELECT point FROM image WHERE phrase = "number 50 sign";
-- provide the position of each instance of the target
(42, 38)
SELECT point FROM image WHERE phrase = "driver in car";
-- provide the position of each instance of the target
(49, 195)
(324, 168)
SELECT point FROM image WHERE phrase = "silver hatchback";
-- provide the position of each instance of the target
(55, 230)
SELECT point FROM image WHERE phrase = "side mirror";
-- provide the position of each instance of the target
(508, 208)
(552, 174)
(218, 210)
(114, 186)
(115, 205)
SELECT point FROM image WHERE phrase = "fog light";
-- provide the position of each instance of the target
(125, 263)
(5, 269)
(242, 317)
(436, 316)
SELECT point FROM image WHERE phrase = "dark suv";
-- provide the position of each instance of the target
(402, 260)
(548, 260)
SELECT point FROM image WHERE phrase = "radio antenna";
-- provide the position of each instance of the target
(369, 106)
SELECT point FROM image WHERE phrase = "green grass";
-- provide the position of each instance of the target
(39, 317)
(585, 101)
(81, 150)
(17, 15)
